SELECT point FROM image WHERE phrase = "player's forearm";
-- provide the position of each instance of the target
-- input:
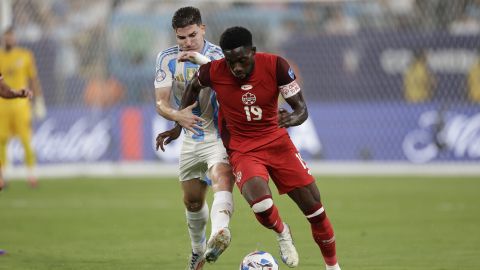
(166, 111)
(299, 116)
(6, 92)
(191, 93)
(299, 107)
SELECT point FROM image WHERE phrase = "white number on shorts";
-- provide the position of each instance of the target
(255, 110)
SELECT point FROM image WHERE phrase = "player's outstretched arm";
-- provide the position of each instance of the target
(185, 117)
(299, 114)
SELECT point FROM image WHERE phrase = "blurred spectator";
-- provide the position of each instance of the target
(419, 82)
(474, 82)
(27, 29)
(339, 23)
(312, 18)
(102, 91)
(465, 25)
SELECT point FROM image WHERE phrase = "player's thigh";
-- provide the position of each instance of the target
(247, 167)
(6, 122)
(286, 167)
(222, 178)
(22, 126)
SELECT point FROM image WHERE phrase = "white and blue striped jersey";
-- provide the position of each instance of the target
(171, 73)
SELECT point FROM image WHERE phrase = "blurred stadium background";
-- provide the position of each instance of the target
(96, 64)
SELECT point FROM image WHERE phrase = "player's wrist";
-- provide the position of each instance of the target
(200, 58)
(174, 115)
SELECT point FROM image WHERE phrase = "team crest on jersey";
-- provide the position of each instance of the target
(246, 87)
(249, 98)
(160, 76)
(291, 73)
(179, 78)
(190, 73)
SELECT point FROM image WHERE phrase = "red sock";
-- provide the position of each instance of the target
(269, 217)
(322, 232)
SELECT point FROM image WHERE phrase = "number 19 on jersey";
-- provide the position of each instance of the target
(253, 113)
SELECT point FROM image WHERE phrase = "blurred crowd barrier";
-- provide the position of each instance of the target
(362, 64)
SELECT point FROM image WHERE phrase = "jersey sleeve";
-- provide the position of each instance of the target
(287, 85)
(163, 74)
(203, 75)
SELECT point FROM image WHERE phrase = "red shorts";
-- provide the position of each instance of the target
(279, 159)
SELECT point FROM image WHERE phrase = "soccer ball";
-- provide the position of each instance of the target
(260, 260)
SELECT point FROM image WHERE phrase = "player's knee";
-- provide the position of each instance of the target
(193, 205)
(262, 205)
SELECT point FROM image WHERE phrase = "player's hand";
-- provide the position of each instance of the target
(284, 118)
(25, 93)
(194, 57)
(188, 120)
(166, 137)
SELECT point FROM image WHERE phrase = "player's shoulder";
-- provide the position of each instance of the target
(266, 56)
(172, 52)
(213, 51)
(23, 51)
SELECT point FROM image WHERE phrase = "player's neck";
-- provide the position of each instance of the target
(200, 50)
(8, 48)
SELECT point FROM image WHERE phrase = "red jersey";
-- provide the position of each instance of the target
(249, 108)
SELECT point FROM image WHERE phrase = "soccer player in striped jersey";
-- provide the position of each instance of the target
(203, 155)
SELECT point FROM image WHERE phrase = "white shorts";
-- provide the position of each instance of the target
(196, 158)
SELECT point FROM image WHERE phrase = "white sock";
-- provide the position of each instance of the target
(333, 267)
(222, 210)
(197, 224)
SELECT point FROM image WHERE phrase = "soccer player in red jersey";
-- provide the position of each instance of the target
(253, 131)
(7, 92)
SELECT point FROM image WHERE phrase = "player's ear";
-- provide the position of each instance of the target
(254, 50)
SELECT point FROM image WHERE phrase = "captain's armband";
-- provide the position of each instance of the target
(290, 89)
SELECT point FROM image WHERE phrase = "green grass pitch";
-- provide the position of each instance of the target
(394, 223)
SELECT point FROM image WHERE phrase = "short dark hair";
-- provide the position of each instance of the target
(186, 16)
(235, 37)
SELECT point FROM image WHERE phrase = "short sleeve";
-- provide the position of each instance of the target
(163, 74)
(286, 79)
(203, 74)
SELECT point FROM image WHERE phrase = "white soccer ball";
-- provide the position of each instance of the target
(260, 260)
